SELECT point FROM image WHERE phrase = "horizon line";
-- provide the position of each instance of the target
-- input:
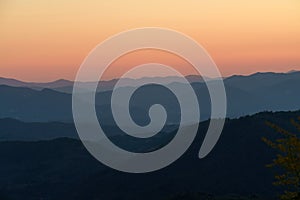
(145, 77)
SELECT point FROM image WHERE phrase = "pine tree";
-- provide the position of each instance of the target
(288, 160)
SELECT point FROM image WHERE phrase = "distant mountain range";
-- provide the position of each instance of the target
(245, 94)
(63, 85)
(42, 158)
(66, 86)
(35, 85)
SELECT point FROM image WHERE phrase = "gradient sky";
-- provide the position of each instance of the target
(46, 40)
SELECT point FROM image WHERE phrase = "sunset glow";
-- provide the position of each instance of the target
(48, 40)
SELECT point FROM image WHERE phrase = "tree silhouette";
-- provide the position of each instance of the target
(287, 159)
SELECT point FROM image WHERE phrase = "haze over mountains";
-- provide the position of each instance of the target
(62, 85)
(34, 102)
(42, 157)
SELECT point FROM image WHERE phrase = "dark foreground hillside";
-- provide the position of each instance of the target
(63, 169)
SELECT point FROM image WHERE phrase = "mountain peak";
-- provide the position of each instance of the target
(62, 81)
(292, 71)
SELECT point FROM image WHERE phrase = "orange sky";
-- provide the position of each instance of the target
(47, 40)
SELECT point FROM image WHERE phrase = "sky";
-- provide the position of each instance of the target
(48, 40)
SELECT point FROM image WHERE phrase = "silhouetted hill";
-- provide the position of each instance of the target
(30, 105)
(248, 82)
(11, 129)
(35, 85)
(63, 169)
(63, 85)
(260, 80)
(245, 95)
(15, 130)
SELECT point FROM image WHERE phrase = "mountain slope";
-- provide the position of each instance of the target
(63, 169)
(245, 95)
